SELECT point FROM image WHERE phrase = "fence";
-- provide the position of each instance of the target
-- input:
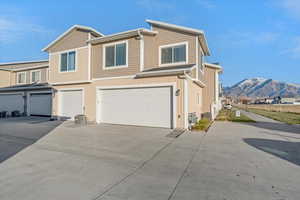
(272, 107)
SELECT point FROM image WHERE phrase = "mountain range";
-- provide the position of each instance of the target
(262, 87)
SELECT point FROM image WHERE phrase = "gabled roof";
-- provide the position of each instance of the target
(198, 32)
(71, 29)
(122, 35)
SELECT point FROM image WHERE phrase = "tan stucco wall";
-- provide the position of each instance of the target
(194, 105)
(4, 78)
(209, 90)
(75, 39)
(80, 73)
(164, 37)
(90, 94)
(133, 60)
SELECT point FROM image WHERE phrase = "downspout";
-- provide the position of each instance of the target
(185, 100)
(141, 38)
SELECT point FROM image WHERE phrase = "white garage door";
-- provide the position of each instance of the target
(71, 103)
(11, 102)
(136, 106)
(40, 104)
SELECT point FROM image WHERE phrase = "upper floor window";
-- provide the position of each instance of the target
(21, 77)
(115, 55)
(67, 61)
(173, 54)
(35, 76)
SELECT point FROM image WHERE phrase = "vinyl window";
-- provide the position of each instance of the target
(68, 61)
(116, 55)
(174, 54)
(35, 76)
(21, 77)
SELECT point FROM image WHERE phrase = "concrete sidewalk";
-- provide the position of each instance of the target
(231, 161)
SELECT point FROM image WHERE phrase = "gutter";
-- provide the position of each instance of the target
(24, 88)
(121, 35)
(158, 74)
(196, 81)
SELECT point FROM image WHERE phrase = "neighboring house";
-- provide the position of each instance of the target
(24, 87)
(211, 93)
(141, 77)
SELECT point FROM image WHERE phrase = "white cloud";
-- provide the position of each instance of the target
(244, 38)
(290, 6)
(155, 5)
(293, 52)
(206, 4)
(14, 29)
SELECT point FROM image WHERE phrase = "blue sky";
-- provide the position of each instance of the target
(249, 38)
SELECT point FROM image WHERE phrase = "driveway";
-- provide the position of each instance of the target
(231, 161)
(18, 133)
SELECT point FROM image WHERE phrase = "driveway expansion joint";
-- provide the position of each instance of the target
(100, 196)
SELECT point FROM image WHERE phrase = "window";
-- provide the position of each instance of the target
(67, 61)
(173, 54)
(35, 76)
(115, 55)
(21, 77)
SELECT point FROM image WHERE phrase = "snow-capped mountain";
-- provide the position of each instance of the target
(261, 87)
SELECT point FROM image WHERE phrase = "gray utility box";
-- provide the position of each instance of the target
(81, 120)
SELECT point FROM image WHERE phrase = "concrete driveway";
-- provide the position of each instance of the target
(18, 133)
(121, 162)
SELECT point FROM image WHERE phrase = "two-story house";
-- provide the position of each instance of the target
(146, 77)
(24, 87)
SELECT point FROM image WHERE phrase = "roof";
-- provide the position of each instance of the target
(122, 35)
(176, 67)
(33, 86)
(165, 71)
(215, 66)
(71, 29)
(24, 65)
(198, 32)
(23, 62)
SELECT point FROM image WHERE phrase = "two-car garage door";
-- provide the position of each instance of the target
(147, 106)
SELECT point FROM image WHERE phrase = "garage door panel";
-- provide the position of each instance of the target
(138, 106)
(71, 103)
(11, 102)
(40, 104)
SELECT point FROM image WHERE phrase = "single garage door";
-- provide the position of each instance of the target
(40, 104)
(136, 106)
(71, 103)
(11, 102)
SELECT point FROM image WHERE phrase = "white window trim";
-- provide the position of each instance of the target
(40, 78)
(104, 56)
(76, 61)
(171, 45)
(18, 83)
